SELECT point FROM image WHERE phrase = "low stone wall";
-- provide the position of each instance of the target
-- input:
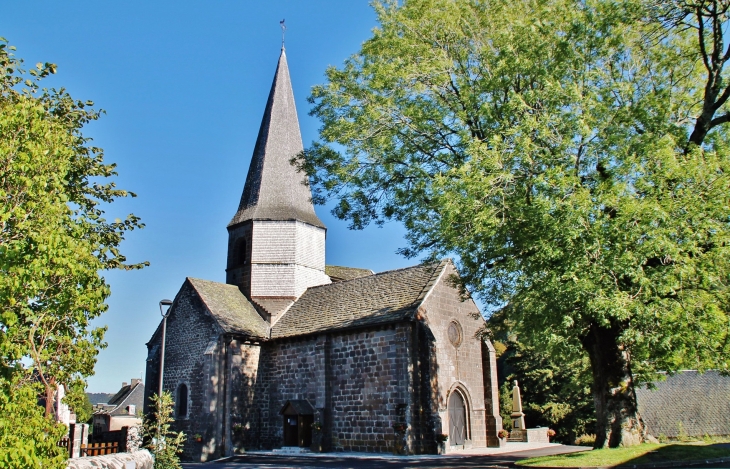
(537, 435)
(136, 460)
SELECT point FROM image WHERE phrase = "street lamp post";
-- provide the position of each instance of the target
(165, 312)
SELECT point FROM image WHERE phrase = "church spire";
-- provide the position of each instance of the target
(274, 189)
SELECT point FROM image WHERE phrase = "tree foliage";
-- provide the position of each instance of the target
(28, 437)
(556, 391)
(54, 242)
(165, 444)
(571, 154)
(79, 403)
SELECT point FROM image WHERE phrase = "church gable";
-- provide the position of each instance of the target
(382, 298)
(461, 367)
(233, 313)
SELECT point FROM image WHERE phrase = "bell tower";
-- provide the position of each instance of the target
(275, 240)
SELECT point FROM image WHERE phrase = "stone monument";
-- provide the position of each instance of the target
(518, 432)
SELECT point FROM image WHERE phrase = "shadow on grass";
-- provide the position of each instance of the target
(683, 452)
(636, 455)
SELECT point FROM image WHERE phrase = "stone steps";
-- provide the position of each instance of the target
(292, 450)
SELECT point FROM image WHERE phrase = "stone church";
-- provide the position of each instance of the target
(290, 352)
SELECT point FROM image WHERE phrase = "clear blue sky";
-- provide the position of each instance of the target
(184, 86)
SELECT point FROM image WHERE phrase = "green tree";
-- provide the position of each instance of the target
(572, 155)
(555, 393)
(164, 443)
(54, 244)
(79, 403)
(28, 438)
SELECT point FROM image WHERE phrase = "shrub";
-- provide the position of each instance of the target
(164, 443)
(586, 440)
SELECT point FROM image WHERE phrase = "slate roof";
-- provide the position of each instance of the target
(274, 189)
(230, 308)
(121, 395)
(701, 401)
(376, 299)
(339, 273)
(128, 394)
(299, 406)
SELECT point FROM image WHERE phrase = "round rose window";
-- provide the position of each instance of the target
(455, 333)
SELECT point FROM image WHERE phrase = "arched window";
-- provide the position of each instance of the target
(182, 401)
(240, 252)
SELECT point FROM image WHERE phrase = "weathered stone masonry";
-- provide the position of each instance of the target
(355, 380)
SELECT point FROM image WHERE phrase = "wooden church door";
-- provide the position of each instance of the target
(291, 430)
(298, 418)
(457, 419)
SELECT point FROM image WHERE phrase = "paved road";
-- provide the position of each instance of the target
(270, 461)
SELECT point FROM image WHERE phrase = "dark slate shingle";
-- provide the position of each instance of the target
(376, 299)
(701, 401)
(230, 308)
(274, 189)
(120, 395)
(299, 407)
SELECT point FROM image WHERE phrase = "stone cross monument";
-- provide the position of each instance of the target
(518, 417)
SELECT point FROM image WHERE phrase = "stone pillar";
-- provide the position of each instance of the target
(492, 419)
(133, 441)
(78, 434)
(322, 399)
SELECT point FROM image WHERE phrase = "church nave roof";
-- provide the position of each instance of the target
(382, 298)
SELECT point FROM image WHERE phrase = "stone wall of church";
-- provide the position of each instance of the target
(370, 387)
(286, 371)
(456, 361)
(190, 332)
(248, 402)
(357, 382)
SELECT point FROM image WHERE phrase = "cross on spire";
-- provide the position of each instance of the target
(283, 31)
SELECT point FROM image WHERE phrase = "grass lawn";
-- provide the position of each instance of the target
(641, 454)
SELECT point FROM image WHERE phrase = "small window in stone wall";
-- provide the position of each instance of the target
(182, 401)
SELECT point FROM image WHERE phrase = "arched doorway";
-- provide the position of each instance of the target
(457, 419)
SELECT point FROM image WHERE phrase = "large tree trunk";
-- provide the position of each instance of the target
(617, 419)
